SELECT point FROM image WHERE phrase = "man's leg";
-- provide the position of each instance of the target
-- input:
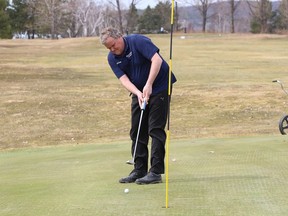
(158, 108)
(157, 123)
(141, 156)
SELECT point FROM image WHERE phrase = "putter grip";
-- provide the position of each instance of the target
(143, 104)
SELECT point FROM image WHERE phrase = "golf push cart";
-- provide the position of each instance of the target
(283, 123)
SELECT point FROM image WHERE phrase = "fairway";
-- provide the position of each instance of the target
(65, 123)
(229, 176)
(63, 92)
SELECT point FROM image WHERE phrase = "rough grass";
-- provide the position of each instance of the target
(57, 92)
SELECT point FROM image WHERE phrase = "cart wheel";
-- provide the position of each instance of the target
(283, 125)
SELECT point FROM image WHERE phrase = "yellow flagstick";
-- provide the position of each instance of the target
(168, 119)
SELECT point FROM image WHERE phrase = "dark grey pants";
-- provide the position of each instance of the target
(153, 125)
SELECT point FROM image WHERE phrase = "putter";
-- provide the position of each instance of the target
(132, 161)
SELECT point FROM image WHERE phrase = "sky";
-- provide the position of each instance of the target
(142, 4)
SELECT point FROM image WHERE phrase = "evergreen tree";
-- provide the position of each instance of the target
(153, 20)
(19, 16)
(5, 27)
(144, 20)
(132, 18)
(164, 10)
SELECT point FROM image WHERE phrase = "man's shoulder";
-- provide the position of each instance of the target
(111, 58)
(135, 37)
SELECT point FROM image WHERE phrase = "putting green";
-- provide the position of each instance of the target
(228, 176)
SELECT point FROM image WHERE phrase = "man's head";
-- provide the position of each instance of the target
(113, 40)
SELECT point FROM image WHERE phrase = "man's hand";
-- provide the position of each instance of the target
(147, 91)
(156, 62)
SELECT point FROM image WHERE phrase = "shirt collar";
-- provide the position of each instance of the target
(126, 45)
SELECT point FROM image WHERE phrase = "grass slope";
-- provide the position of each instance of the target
(228, 176)
(63, 92)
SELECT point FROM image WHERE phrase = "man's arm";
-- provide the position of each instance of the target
(125, 81)
(154, 70)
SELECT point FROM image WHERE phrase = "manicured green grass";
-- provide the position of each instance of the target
(227, 176)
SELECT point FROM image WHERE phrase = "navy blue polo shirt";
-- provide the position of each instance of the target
(135, 62)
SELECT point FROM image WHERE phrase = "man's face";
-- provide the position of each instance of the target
(116, 46)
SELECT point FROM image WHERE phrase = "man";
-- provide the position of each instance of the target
(136, 62)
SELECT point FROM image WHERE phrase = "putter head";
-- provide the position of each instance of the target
(130, 162)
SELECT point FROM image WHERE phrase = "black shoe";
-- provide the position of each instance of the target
(132, 177)
(150, 178)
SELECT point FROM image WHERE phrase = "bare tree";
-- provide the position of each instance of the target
(261, 10)
(116, 4)
(284, 13)
(233, 7)
(82, 14)
(71, 17)
(49, 12)
(73, 28)
(135, 2)
(96, 19)
(87, 18)
(202, 7)
(221, 17)
(226, 15)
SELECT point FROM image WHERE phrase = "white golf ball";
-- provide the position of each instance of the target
(126, 190)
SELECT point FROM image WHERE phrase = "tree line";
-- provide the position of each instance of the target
(84, 18)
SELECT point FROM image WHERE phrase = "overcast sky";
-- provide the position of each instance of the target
(142, 4)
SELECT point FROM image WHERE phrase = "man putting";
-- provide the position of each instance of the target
(136, 62)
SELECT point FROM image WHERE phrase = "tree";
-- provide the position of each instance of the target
(283, 12)
(233, 7)
(82, 14)
(202, 6)
(117, 5)
(18, 15)
(49, 15)
(22, 16)
(149, 22)
(164, 10)
(5, 27)
(132, 17)
(261, 11)
(96, 19)
(155, 19)
(91, 17)
(73, 18)
(219, 21)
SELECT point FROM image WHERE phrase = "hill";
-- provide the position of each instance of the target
(218, 17)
